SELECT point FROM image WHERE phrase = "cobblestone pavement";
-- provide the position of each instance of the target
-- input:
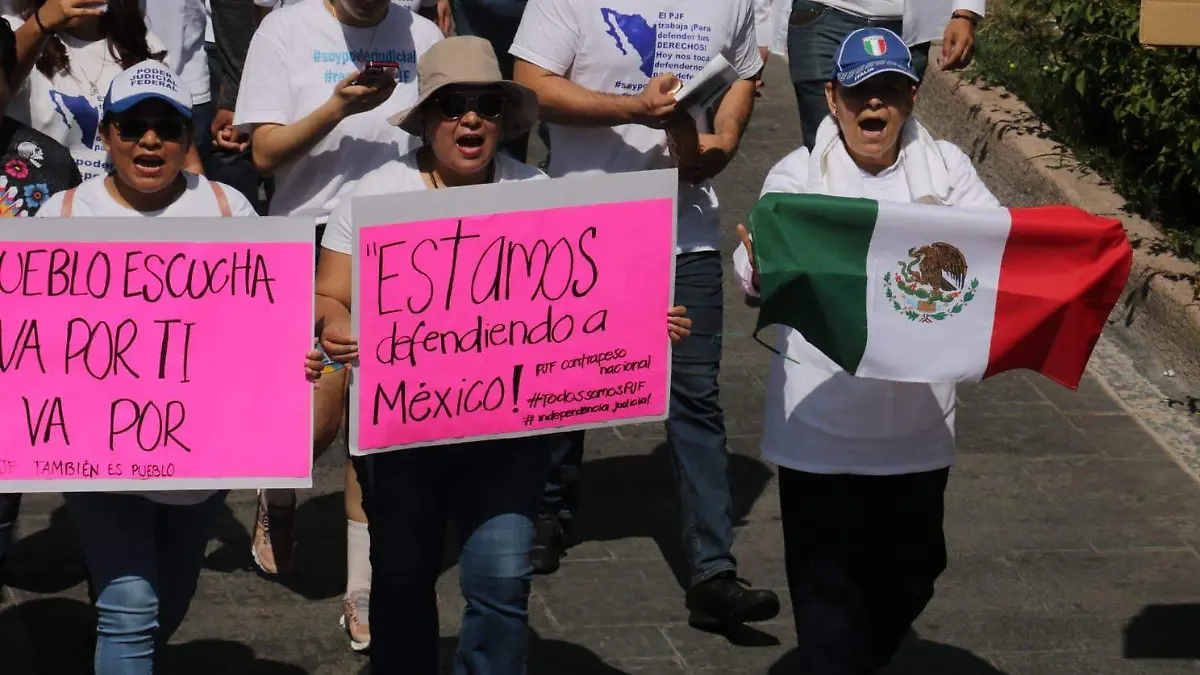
(1073, 524)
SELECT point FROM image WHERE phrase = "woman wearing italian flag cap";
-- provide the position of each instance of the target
(863, 463)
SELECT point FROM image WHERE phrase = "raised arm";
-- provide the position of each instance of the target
(733, 110)
(561, 101)
(545, 47)
(274, 145)
(265, 103)
(34, 33)
(733, 114)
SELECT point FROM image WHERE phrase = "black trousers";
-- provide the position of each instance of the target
(862, 553)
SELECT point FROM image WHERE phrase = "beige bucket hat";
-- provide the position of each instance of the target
(467, 60)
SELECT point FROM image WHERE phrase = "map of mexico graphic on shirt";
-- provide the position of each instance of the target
(67, 105)
(79, 112)
(639, 34)
(672, 45)
(616, 47)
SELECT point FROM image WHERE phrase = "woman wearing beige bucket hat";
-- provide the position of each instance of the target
(490, 489)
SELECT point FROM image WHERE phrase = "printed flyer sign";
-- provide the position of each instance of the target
(512, 309)
(142, 355)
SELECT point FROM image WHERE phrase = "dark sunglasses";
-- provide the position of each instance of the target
(134, 128)
(455, 104)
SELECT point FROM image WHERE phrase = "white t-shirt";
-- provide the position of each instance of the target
(209, 35)
(402, 175)
(763, 28)
(92, 200)
(194, 58)
(297, 56)
(615, 47)
(181, 25)
(412, 5)
(66, 107)
(820, 419)
(876, 9)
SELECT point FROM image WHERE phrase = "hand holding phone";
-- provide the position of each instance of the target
(377, 73)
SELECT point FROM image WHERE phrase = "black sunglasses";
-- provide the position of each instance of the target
(455, 104)
(134, 128)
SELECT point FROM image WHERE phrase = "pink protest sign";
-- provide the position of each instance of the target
(539, 315)
(136, 355)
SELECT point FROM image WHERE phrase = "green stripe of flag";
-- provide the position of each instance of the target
(811, 252)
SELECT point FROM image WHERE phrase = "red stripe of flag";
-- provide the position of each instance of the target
(1062, 272)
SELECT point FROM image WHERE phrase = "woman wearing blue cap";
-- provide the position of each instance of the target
(144, 550)
(863, 463)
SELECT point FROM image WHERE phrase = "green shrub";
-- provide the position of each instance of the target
(1130, 112)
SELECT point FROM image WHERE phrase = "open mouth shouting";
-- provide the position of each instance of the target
(149, 165)
(470, 144)
(872, 127)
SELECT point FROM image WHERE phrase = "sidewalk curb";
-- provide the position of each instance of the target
(1159, 297)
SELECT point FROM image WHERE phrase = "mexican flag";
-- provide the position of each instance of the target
(923, 293)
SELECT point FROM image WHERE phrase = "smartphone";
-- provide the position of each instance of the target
(377, 73)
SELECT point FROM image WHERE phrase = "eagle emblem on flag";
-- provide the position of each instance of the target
(931, 285)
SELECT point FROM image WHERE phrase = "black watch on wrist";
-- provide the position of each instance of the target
(967, 15)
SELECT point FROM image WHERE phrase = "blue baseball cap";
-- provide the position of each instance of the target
(145, 81)
(868, 52)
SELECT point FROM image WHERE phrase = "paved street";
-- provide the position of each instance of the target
(1073, 525)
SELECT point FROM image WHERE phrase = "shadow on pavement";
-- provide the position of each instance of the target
(319, 572)
(49, 560)
(546, 657)
(47, 636)
(1164, 632)
(208, 657)
(634, 496)
(741, 635)
(56, 636)
(916, 657)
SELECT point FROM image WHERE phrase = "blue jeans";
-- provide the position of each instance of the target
(696, 423)
(561, 495)
(144, 560)
(695, 427)
(202, 117)
(489, 490)
(814, 34)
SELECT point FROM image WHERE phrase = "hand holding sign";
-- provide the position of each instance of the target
(511, 309)
(314, 363)
(341, 347)
(678, 325)
(115, 354)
